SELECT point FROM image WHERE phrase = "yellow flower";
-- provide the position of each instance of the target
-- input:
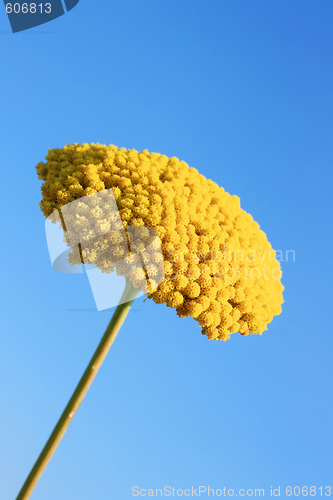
(219, 267)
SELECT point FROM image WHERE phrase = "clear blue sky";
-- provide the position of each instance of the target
(241, 90)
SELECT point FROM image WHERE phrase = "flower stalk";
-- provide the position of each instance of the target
(81, 390)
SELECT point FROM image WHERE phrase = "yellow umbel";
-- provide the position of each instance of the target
(219, 267)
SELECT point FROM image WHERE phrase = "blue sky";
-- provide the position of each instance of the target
(242, 91)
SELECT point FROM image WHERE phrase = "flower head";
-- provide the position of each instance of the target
(219, 267)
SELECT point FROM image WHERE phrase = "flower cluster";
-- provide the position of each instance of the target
(219, 267)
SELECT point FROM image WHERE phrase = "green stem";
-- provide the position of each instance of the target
(80, 391)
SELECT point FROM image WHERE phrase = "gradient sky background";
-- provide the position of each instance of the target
(241, 90)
